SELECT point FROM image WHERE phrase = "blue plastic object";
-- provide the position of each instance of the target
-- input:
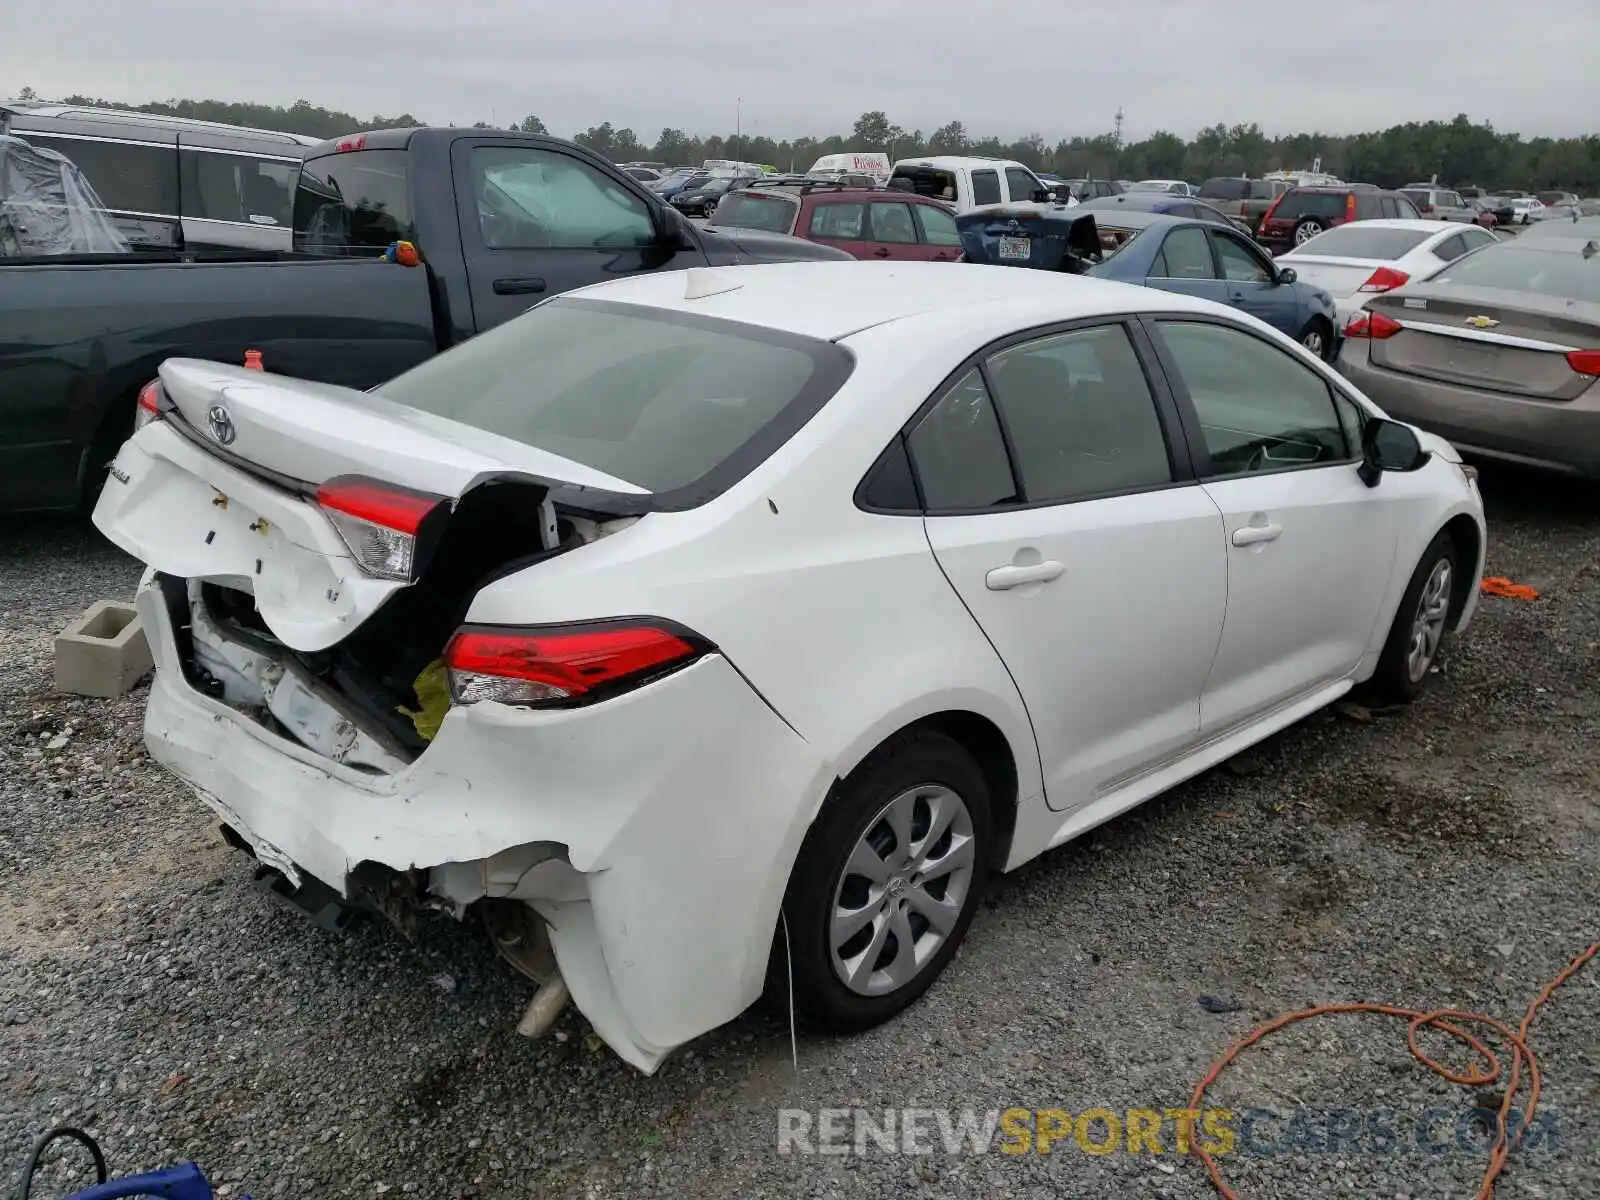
(183, 1182)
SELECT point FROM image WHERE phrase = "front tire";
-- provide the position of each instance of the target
(1420, 625)
(1317, 337)
(885, 885)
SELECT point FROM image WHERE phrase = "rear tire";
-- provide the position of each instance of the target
(1420, 626)
(1308, 229)
(916, 814)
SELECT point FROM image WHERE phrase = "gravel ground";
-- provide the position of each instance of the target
(1442, 856)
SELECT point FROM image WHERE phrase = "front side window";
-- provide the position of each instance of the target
(985, 187)
(1238, 263)
(1259, 409)
(959, 453)
(531, 199)
(1081, 416)
(658, 399)
(1020, 184)
(1185, 255)
(130, 177)
(938, 226)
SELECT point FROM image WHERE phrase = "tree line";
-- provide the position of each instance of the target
(1459, 152)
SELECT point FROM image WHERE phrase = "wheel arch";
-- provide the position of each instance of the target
(1467, 539)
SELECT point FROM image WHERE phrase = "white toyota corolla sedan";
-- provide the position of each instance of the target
(705, 627)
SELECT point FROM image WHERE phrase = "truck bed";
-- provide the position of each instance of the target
(98, 327)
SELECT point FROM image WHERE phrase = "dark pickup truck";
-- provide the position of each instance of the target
(499, 221)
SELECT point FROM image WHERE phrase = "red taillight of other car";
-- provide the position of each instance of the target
(1372, 325)
(149, 406)
(568, 665)
(1584, 362)
(1384, 279)
(378, 522)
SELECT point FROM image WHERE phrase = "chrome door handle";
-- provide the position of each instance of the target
(1254, 535)
(1004, 578)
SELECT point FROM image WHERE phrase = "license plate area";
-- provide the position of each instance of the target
(1016, 249)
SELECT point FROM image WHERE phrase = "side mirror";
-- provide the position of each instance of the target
(1287, 275)
(672, 226)
(1041, 195)
(1389, 446)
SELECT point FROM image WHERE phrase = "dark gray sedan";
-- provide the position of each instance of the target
(1499, 352)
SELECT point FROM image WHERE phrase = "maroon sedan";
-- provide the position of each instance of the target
(868, 223)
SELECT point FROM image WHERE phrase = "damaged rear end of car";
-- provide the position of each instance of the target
(314, 555)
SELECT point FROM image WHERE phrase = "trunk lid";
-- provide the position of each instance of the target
(1336, 276)
(1510, 342)
(224, 490)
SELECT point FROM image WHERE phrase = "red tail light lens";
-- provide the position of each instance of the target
(149, 407)
(1584, 362)
(378, 522)
(357, 142)
(1384, 279)
(1372, 325)
(566, 665)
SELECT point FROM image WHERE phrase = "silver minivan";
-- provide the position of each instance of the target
(170, 183)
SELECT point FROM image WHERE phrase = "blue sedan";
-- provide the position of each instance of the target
(1217, 262)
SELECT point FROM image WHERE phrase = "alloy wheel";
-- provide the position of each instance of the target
(1313, 341)
(902, 890)
(1427, 625)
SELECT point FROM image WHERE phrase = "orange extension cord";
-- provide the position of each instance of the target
(1438, 1019)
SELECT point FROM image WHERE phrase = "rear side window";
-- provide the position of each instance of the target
(1185, 255)
(127, 176)
(839, 222)
(1451, 248)
(959, 452)
(1369, 207)
(1080, 414)
(1020, 184)
(985, 187)
(1419, 198)
(1406, 209)
(237, 188)
(359, 202)
(744, 211)
(661, 400)
(1266, 189)
(893, 223)
(1311, 204)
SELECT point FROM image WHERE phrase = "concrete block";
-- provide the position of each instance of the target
(104, 652)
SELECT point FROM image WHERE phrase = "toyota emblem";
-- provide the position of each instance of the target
(221, 424)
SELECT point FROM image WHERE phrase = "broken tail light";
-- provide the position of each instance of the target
(379, 523)
(564, 666)
(1372, 325)
(148, 408)
(1384, 279)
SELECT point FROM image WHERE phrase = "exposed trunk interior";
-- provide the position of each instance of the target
(495, 528)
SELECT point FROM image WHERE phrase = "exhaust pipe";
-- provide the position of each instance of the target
(544, 1008)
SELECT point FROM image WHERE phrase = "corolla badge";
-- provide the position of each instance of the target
(221, 424)
(1482, 322)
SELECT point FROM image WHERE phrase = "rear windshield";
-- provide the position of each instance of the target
(664, 400)
(354, 203)
(929, 181)
(1563, 273)
(1224, 189)
(775, 214)
(1311, 204)
(1361, 240)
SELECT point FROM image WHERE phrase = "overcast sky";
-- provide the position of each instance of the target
(811, 66)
